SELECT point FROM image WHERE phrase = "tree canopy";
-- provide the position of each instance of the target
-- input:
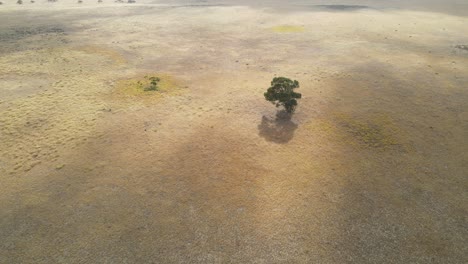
(281, 93)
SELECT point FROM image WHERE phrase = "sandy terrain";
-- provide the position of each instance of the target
(372, 168)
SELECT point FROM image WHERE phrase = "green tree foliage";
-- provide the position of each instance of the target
(281, 93)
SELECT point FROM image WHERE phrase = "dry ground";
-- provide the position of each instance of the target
(371, 169)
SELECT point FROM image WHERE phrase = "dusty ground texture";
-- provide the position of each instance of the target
(371, 169)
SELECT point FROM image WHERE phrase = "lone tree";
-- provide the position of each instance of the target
(281, 93)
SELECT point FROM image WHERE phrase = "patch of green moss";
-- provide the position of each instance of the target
(376, 132)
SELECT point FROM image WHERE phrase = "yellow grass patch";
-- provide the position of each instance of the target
(135, 87)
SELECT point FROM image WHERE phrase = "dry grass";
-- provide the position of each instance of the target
(370, 169)
(288, 29)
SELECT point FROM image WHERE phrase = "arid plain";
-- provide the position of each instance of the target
(372, 167)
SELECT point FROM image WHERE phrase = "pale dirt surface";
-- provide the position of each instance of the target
(372, 168)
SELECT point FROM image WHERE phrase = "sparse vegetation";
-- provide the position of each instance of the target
(19, 2)
(142, 87)
(131, 1)
(281, 93)
(152, 85)
(80, 1)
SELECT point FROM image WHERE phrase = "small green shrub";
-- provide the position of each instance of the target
(153, 83)
(281, 93)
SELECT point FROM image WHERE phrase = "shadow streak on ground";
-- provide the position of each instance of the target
(17, 39)
(21, 30)
(397, 201)
(452, 7)
(117, 202)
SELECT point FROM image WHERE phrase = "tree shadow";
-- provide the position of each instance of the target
(278, 130)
